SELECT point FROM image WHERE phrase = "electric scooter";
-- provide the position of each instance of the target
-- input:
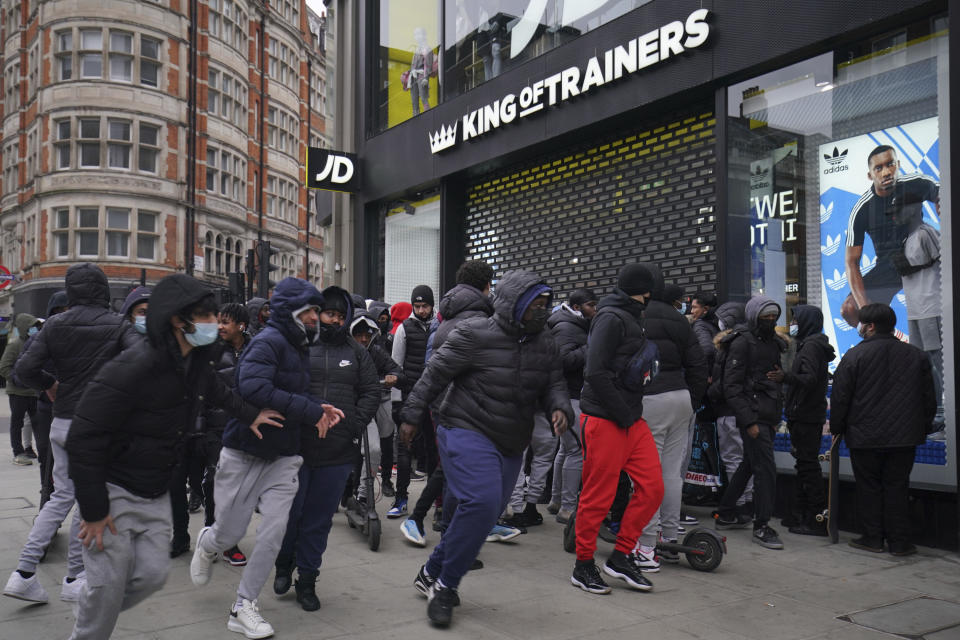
(364, 516)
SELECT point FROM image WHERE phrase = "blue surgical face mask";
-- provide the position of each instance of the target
(794, 329)
(32, 330)
(683, 308)
(204, 333)
(140, 324)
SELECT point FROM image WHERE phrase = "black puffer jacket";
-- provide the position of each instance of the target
(616, 334)
(384, 339)
(76, 343)
(415, 335)
(381, 358)
(806, 382)
(705, 329)
(682, 364)
(498, 377)
(223, 358)
(133, 414)
(882, 394)
(570, 333)
(254, 306)
(344, 375)
(458, 304)
(753, 398)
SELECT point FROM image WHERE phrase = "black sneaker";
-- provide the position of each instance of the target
(179, 546)
(736, 521)
(587, 577)
(804, 529)
(30, 453)
(620, 565)
(442, 601)
(900, 549)
(687, 519)
(874, 545)
(387, 489)
(767, 537)
(195, 503)
(423, 583)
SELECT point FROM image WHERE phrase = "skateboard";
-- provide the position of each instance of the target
(832, 512)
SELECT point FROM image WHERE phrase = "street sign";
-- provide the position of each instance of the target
(6, 278)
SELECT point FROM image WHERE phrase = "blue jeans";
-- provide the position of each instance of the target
(481, 480)
(311, 516)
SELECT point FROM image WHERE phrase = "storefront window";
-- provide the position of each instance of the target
(412, 249)
(834, 177)
(485, 38)
(409, 60)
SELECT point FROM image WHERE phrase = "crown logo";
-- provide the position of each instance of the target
(837, 156)
(443, 139)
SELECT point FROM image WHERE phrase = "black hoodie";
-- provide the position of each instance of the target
(806, 382)
(76, 343)
(135, 411)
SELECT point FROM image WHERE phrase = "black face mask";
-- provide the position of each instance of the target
(330, 332)
(311, 334)
(537, 321)
(766, 327)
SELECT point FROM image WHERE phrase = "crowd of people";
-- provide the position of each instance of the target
(499, 402)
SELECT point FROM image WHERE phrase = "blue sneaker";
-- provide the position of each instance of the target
(412, 532)
(399, 508)
(501, 533)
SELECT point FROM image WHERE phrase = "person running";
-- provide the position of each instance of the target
(343, 373)
(73, 344)
(258, 469)
(23, 400)
(615, 436)
(122, 445)
(496, 372)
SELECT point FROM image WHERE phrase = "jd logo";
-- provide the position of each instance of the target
(331, 170)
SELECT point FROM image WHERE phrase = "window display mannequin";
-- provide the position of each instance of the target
(421, 68)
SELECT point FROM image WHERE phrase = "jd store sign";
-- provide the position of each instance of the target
(332, 170)
(639, 53)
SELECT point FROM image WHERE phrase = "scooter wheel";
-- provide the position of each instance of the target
(570, 534)
(712, 552)
(373, 534)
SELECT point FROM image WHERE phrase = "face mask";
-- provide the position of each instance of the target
(683, 308)
(140, 324)
(722, 325)
(204, 333)
(537, 321)
(32, 331)
(328, 332)
(794, 329)
(766, 327)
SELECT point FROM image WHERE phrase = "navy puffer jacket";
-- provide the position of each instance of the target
(274, 372)
(498, 376)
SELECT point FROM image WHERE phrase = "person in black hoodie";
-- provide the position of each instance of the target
(806, 410)
(497, 372)
(706, 324)
(123, 443)
(615, 436)
(883, 404)
(258, 469)
(757, 404)
(344, 373)
(669, 402)
(74, 345)
(569, 325)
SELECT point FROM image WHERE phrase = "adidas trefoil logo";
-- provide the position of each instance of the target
(838, 281)
(833, 244)
(826, 212)
(837, 157)
(842, 324)
(443, 139)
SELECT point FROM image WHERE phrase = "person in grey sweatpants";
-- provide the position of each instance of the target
(528, 489)
(730, 448)
(567, 468)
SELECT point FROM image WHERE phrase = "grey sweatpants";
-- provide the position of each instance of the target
(731, 452)
(568, 465)
(55, 511)
(244, 482)
(544, 446)
(668, 415)
(133, 564)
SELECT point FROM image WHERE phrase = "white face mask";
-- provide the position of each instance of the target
(794, 329)
(683, 308)
(204, 333)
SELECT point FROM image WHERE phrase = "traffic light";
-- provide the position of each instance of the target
(236, 283)
(251, 272)
(264, 283)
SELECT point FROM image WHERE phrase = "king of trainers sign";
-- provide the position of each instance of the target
(637, 54)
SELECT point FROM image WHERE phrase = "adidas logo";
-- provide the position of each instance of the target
(867, 265)
(833, 244)
(760, 174)
(825, 213)
(902, 299)
(838, 281)
(842, 324)
(443, 139)
(837, 157)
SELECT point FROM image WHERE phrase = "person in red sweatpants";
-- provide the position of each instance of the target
(615, 436)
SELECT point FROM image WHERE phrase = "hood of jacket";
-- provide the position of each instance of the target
(135, 297)
(332, 292)
(289, 295)
(732, 314)
(58, 299)
(464, 297)
(809, 320)
(173, 293)
(368, 319)
(398, 313)
(377, 308)
(23, 322)
(618, 298)
(566, 314)
(254, 305)
(511, 289)
(754, 306)
(87, 286)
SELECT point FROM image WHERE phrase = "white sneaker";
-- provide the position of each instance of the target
(247, 620)
(28, 589)
(70, 591)
(201, 566)
(646, 559)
